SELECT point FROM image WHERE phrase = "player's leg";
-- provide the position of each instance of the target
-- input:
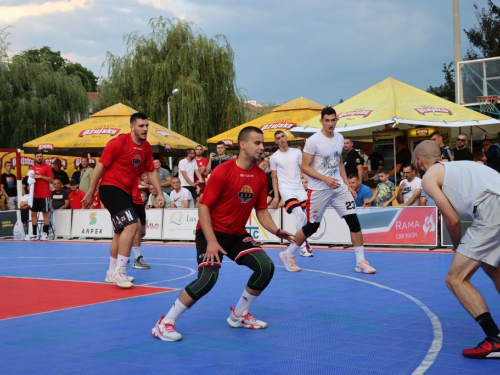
(139, 262)
(247, 252)
(46, 219)
(35, 209)
(208, 274)
(343, 202)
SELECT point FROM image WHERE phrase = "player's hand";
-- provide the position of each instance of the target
(275, 202)
(284, 235)
(212, 253)
(332, 183)
(161, 200)
(87, 200)
(354, 195)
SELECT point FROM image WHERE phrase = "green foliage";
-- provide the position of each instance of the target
(446, 90)
(252, 112)
(484, 38)
(35, 97)
(174, 56)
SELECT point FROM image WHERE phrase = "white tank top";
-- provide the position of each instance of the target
(467, 183)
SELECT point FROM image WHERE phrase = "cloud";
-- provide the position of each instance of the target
(10, 14)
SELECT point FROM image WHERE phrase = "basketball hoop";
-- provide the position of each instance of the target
(487, 103)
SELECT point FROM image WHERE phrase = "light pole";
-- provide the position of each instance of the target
(173, 93)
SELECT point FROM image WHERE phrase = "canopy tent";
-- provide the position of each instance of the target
(283, 118)
(395, 103)
(92, 135)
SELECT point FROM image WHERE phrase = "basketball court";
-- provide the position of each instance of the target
(59, 317)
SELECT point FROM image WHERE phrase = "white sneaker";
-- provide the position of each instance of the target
(44, 237)
(245, 320)
(364, 267)
(108, 279)
(306, 250)
(165, 330)
(120, 278)
(289, 262)
(28, 238)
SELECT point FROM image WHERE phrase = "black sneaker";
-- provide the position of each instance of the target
(488, 348)
(140, 264)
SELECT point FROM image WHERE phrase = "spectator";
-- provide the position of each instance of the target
(144, 197)
(491, 154)
(24, 207)
(386, 191)
(75, 196)
(60, 196)
(59, 173)
(180, 197)
(425, 199)
(216, 160)
(304, 181)
(164, 175)
(76, 174)
(144, 182)
(363, 193)
(42, 173)
(462, 152)
(410, 188)
(188, 168)
(9, 186)
(375, 159)
(201, 161)
(403, 155)
(85, 175)
(153, 199)
(353, 162)
(446, 152)
(25, 185)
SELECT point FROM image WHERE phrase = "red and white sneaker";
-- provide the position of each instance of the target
(488, 348)
(306, 251)
(364, 267)
(245, 320)
(165, 330)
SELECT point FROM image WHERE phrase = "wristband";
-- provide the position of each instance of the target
(277, 232)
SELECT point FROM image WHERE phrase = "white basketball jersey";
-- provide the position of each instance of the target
(287, 166)
(467, 183)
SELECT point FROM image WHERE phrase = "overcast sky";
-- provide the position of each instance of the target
(324, 50)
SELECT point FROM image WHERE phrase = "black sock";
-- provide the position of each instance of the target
(46, 229)
(488, 325)
(35, 229)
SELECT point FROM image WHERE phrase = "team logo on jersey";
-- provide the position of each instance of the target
(136, 160)
(245, 194)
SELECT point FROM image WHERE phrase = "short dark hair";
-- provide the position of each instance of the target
(7, 162)
(327, 111)
(220, 143)
(401, 140)
(188, 150)
(245, 133)
(278, 133)
(435, 133)
(353, 175)
(383, 170)
(38, 153)
(408, 165)
(138, 116)
(348, 138)
(201, 147)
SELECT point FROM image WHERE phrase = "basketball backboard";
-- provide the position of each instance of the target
(478, 78)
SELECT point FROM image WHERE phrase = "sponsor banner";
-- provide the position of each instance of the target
(258, 232)
(425, 110)
(98, 131)
(282, 125)
(154, 221)
(62, 223)
(91, 224)
(166, 134)
(7, 221)
(179, 224)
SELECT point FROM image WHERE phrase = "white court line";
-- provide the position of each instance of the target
(436, 344)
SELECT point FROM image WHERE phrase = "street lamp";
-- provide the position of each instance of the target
(173, 93)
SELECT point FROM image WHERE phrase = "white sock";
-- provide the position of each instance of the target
(244, 303)
(121, 261)
(177, 310)
(360, 253)
(112, 264)
(137, 251)
(300, 220)
(292, 249)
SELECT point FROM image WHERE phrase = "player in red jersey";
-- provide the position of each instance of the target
(119, 166)
(233, 190)
(41, 196)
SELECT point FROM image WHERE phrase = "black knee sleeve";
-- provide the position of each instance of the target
(207, 277)
(353, 223)
(262, 267)
(310, 228)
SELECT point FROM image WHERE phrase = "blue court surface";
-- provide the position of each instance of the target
(326, 319)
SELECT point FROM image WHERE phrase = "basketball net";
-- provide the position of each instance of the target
(487, 103)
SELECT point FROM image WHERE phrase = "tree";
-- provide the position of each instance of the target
(484, 38)
(173, 56)
(33, 95)
(446, 90)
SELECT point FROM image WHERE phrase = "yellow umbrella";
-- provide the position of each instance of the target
(283, 118)
(394, 102)
(92, 135)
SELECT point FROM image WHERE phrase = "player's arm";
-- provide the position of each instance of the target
(268, 223)
(96, 176)
(276, 200)
(213, 247)
(450, 217)
(306, 168)
(414, 197)
(155, 181)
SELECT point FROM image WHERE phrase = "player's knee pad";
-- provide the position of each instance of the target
(207, 277)
(310, 228)
(353, 223)
(262, 267)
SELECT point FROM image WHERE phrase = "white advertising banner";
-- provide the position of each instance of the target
(154, 220)
(258, 232)
(62, 223)
(179, 224)
(91, 224)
